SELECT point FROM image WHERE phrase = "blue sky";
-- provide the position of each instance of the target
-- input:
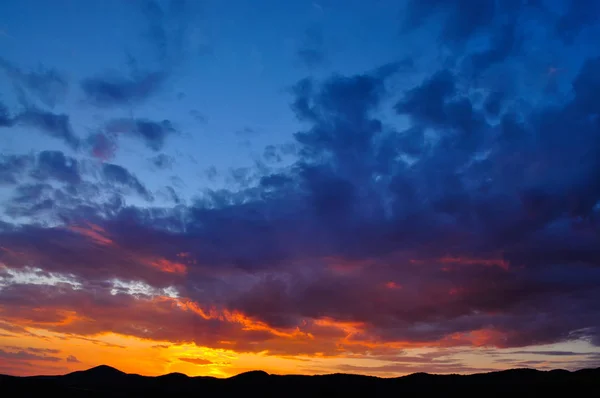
(229, 98)
(350, 183)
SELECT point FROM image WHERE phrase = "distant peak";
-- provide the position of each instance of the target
(104, 369)
(250, 374)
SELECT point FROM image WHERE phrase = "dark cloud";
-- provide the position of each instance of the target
(271, 154)
(198, 116)
(504, 42)
(247, 132)
(462, 18)
(156, 33)
(197, 361)
(34, 350)
(151, 132)
(17, 354)
(211, 173)
(103, 146)
(172, 195)
(53, 124)
(46, 84)
(427, 103)
(493, 103)
(30, 199)
(115, 174)
(162, 161)
(6, 120)
(578, 16)
(72, 359)
(450, 248)
(167, 37)
(275, 180)
(115, 91)
(167, 29)
(12, 167)
(55, 165)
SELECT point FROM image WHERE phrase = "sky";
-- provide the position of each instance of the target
(375, 187)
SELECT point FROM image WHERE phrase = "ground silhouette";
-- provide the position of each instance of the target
(105, 381)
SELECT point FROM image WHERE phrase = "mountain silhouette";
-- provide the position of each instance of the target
(253, 375)
(102, 371)
(106, 381)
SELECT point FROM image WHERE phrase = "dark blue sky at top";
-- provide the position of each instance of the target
(266, 138)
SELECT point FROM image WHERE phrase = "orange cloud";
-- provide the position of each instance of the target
(455, 261)
(94, 232)
(197, 361)
(344, 266)
(393, 285)
(475, 338)
(169, 266)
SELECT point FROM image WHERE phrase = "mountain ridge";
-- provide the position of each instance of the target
(106, 381)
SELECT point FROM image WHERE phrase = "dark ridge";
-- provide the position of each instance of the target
(173, 376)
(100, 371)
(98, 374)
(105, 381)
(251, 375)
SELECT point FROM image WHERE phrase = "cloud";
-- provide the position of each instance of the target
(358, 218)
(578, 17)
(53, 124)
(550, 353)
(197, 361)
(16, 354)
(34, 350)
(12, 167)
(168, 30)
(162, 161)
(271, 154)
(72, 359)
(152, 133)
(115, 91)
(461, 18)
(504, 42)
(166, 37)
(57, 166)
(115, 174)
(103, 146)
(493, 103)
(461, 21)
(6, 120)
(427, 102)
(247, 132)
(211, 173)
(46, 84)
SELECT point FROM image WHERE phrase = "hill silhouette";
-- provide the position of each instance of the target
(105, 381)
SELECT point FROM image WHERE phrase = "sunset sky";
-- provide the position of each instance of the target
(377, 187)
